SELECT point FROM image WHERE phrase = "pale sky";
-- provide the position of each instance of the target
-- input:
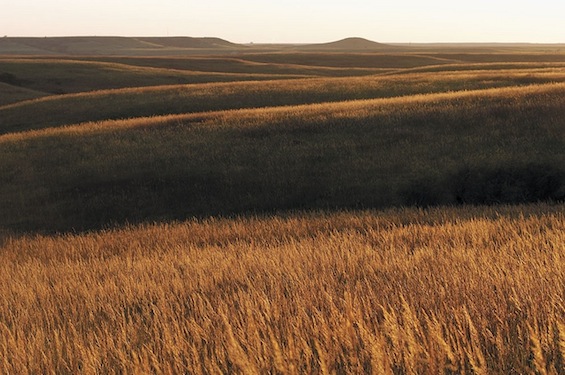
(292, 21)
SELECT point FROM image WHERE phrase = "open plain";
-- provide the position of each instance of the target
(190, 205)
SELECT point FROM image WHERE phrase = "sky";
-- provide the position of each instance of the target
(292, 21)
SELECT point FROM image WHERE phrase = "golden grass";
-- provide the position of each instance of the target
(534, 96)
(473, 290)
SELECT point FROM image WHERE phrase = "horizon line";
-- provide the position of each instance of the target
(278, 42)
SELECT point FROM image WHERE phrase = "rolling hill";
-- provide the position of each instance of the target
(12, 94)
(321, 156)
(62, 76)
(177, 205)
(189, 42)
(131, 102)
(248, 147)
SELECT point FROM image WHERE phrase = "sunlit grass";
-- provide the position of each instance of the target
(471, 290)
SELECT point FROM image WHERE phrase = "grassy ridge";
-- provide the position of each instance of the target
(496, 66)
(70, 76)
(10, 94)
(239, 64)
(425, 149)
(272, 62)
(504, 57)
(344, 60)
(404, 60)
(152, 101)
(442, 291)
(113, 45)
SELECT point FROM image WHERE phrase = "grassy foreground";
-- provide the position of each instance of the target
(439, 291)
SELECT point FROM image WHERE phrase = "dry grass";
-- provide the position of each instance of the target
(474, 290)
(469, 290)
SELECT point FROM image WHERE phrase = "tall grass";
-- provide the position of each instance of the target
(428, 149)
(443, 291)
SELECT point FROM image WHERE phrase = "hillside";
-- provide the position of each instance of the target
(189, 42)
(287, 158)
(13, 93)
(135, 139)
(58, 110)
(62, 76)
(111, 45)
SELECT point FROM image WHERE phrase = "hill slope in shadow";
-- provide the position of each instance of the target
(111, 45)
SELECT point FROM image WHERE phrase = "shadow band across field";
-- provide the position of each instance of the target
(503, 184)
(203, 195)
(484, 147)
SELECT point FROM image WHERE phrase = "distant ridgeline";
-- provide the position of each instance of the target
(147, 46)
(111, 45)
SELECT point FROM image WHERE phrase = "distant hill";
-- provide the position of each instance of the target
(19, 46)
(188, 42)
(350, 44)
(163, 46)
(111, 45)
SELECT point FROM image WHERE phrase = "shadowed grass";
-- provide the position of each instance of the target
(350, 154)
(151, 101)
(10, 94)
(347, 60)
(60, 76)
(239, 64)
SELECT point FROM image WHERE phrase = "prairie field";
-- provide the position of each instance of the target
(447, 290)
(195, 206)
